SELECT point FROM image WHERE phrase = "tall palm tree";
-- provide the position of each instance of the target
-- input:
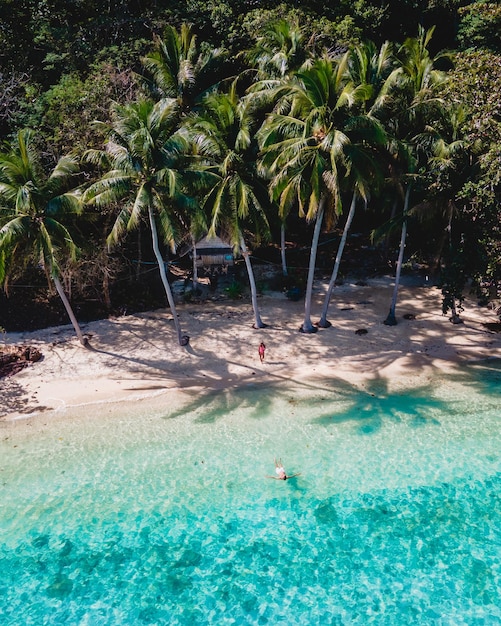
(279, 52)
(370, 70)
(415, 104)
(182, 69)
(145, 161)
(449, 169)
(33, 210)
(304, 149)
(222, 133)
(363, 173)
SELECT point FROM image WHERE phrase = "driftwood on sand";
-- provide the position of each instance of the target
(15, 358)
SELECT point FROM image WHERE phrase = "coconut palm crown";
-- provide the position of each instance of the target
(181, 69)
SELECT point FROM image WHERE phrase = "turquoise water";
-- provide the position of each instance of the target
(161, 517)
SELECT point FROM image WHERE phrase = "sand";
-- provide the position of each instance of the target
(136, 357)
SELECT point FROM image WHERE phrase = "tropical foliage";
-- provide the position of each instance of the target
(36, 213)
(245, 121)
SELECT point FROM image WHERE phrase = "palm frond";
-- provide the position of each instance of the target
(167, 225)
(60, 237)
(24, 198)
(119, 227)
(68, 203)
(112, 187)
(8, 193)
(65, 168)
(99, 158)
(168, 179)
(14, 230)
(142, 202)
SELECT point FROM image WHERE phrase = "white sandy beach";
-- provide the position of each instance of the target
(136, 357)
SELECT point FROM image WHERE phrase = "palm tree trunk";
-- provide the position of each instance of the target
(282, 249)
(161, 267)
(258, 323)
(106, 289)
(455, 319)
(391, 320)
(195, 270)
(324, 323)
(392, 215)
(59, 288)
(139, 252)
(307, 326)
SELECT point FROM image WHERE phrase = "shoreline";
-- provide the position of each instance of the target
(135, 358)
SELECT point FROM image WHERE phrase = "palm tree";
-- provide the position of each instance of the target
(145, 158)
(279, 52)
(370, 70)
(449, 169)
(304, 149)
(181, 70)
(415, 102)
(363, 172)
(33, 209)
(374, 70)
(222, 135)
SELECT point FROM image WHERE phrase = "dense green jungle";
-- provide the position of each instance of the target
(318, 140)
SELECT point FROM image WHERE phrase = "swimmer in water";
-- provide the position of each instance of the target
(280, 472)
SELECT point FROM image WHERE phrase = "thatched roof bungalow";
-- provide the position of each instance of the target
(211, 252)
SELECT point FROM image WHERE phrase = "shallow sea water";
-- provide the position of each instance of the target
(162, 517)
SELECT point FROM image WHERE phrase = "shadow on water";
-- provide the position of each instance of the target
(371, 407)
(484, 375)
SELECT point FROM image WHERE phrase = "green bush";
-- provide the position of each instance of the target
(234, 291)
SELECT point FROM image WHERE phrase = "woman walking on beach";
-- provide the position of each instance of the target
(261, 350)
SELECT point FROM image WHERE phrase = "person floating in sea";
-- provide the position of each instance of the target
(280, 472)
(261, 350)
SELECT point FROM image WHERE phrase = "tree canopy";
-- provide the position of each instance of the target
(300, 112)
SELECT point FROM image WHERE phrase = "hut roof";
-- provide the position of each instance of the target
(213, 242)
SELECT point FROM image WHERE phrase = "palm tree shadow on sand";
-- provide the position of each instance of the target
(337, 401)
(334, 401)
(14, 399)
(255, 403)
(258, 399)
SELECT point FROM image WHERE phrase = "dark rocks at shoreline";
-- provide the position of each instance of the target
(15, 358)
